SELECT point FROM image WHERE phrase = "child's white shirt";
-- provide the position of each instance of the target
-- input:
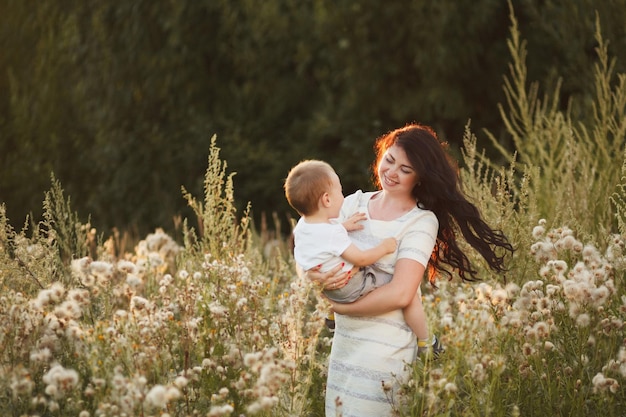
(320, 244)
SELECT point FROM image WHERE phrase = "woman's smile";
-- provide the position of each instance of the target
(388, 180)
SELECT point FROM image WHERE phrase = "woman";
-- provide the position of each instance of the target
(420, 204)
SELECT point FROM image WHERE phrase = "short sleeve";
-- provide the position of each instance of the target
(418, 240)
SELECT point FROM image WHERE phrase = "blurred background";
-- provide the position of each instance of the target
(119, 99)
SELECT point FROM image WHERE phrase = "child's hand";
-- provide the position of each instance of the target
(390, 244)
(352, 223)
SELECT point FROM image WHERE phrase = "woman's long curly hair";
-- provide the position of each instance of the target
(438, 190)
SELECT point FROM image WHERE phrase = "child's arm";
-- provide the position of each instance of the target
(359, 257)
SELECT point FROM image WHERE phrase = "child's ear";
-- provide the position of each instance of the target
(326, 200)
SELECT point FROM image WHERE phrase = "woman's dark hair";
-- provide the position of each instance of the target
(438, 190)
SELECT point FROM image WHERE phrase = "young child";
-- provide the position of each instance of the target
(313, 189)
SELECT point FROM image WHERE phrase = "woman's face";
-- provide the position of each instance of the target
(395, 172)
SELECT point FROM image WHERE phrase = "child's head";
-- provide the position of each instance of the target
(311, 182)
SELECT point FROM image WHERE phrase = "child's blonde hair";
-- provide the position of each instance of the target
(306, 183)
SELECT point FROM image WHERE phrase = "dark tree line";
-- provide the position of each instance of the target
(119, 99)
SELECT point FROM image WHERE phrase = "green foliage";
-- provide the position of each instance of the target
(619, 201)
(575, 160)
(118, 99)
(44, 257)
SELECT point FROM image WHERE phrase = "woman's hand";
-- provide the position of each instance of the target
(332, 279)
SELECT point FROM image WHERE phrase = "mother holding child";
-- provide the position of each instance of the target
(405, 229)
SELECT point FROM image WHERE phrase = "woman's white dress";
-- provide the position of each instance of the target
(369, 352)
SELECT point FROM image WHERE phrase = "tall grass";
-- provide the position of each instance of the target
(216, 325)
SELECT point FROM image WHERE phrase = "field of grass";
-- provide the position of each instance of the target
(220, 324)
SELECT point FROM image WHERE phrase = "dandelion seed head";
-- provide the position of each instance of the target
(527, 349)
(499, 296)
(226, 410)
(134, 281)
(59, 381)
(542, 328)
(126, 267)
(68, 310)
(600, 296)
(42, 355)
(478, 373)
(569, 242)
(591, 340)
(138, 303)
(181, 382)
(583, 320)
(218, 310)
(157, 397)
(101, 269)
(538, 232)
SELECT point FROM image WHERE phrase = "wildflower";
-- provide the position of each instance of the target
(21, 384)
(134, 281)
(583, 320)
(159, 396)
(79, 267)
(217, 309)
(498, 296)
(590, 253)
(101, 269)
(138, 303)
(602, 384)
(60, 381)
(181, 382)
(450, 388)
(569, 242)
(527, 349)
(156, 397)
(478, 373)
(387, 386)
(41, 355)
(126, 267)
(600, 295)
(68, 310)
(538, 232)
(220, 410)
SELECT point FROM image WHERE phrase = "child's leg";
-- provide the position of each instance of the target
(415, 317)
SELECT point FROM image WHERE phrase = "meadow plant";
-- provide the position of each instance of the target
(573, 159)
(553, 345)
(216, 325)
(207, 328)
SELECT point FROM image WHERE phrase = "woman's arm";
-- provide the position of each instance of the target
(397, 294)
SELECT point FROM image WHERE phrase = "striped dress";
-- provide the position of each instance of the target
(369, 352)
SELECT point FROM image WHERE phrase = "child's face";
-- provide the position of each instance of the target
(336, 196)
